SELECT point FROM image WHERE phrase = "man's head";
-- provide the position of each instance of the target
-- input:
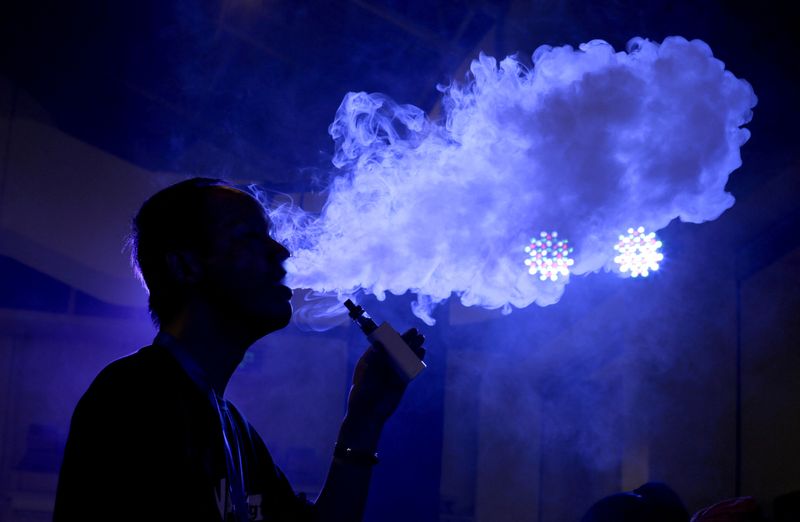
(202, 241)
(650, 502)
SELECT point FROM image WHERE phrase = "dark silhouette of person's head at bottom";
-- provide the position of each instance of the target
(651, 502)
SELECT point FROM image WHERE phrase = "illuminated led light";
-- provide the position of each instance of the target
(638, 252)
(548, 256)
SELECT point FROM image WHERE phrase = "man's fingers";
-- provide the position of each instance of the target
(376, 357)
(415, 340)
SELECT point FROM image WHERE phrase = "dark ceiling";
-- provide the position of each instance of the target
(246, 88)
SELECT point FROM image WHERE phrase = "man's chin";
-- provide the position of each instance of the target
(278, 317)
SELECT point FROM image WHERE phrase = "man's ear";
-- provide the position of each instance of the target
(184, 267)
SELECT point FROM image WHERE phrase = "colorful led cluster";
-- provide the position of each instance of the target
(549, 256)
(638, 252)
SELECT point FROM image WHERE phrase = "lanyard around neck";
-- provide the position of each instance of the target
(235, 474)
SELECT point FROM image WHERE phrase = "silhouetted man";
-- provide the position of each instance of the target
(153, 438)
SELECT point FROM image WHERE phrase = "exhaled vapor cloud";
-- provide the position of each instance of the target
(588, 142)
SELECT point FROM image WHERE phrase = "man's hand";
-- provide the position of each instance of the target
(376, 393)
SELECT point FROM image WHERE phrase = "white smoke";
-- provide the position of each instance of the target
(588, 142)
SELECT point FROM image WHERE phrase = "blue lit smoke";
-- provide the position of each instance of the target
(588, 142)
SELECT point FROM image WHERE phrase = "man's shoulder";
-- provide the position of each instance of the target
(148, 371)
(151, 362)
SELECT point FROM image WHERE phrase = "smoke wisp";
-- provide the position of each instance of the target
(588, 142)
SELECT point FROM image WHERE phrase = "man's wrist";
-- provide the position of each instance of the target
(354, 456)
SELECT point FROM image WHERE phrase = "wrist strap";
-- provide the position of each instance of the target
(363, 458)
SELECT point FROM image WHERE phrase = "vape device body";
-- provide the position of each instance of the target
(403, 358)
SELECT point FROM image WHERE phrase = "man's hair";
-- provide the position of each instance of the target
(174, 219)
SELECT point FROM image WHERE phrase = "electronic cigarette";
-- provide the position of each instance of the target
(403, 358)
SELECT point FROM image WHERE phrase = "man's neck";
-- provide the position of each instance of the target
(215, 347)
